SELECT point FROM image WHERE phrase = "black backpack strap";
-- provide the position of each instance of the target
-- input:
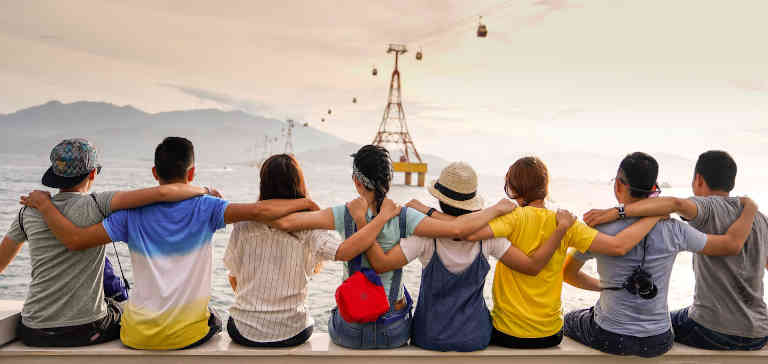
(104, 216)
(21, 222)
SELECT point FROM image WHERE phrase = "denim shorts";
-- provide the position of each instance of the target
(580, 325)
(690, 333)
(370, 335)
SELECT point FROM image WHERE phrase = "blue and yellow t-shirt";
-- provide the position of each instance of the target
(171, 255)
(526, 306)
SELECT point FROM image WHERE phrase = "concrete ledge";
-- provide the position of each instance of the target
(10, 311)
(320, 349)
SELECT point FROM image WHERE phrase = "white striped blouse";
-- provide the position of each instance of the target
(272, 268)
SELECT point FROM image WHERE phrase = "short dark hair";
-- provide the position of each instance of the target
(281, 178)
(453, 211)
(640, 172)
(173, 157)
(718, 170)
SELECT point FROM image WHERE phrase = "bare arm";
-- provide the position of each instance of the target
(515, 258)
(322, 219)
(659, 206)
(483, 234)
(383, 262)
(366, 237)
(8, 250)
(437, 214)
(624, 241)
(733, 240)
(573, 275)
(463, 226)
(173, 192)
(72, 236)
(266, 210)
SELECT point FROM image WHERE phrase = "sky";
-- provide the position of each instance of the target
(553, 77)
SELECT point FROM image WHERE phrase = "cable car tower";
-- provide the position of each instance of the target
(288, 134)
(393, 130)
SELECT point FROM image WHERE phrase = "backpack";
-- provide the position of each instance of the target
(361, 297)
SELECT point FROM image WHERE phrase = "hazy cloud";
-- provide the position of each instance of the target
(247, 105)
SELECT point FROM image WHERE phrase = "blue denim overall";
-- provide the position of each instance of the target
(451, 314)
(392, 329)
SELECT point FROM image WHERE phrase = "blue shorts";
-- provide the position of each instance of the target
(370, 335)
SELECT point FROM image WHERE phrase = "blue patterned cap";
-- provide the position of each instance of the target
(71, 160)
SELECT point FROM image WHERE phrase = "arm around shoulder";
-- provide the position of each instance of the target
(733, 241)
(73, 237)
(265, 210)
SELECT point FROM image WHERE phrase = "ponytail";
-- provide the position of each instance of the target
(372, 167)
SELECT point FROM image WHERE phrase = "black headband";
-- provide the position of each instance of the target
(453, 194)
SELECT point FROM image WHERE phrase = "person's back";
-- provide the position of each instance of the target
(53, 300)
(273, 268)
(530, 306)
(171, 255)
(624, 313)
(729, 289)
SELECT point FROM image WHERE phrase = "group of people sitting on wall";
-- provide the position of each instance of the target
(282, 239)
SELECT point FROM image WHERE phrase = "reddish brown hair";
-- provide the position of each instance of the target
(281, 177)
(528, 179)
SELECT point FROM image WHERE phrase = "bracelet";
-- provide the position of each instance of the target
(431, 211)
(207, 190)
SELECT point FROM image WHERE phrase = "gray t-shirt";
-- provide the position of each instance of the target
(67, 287)
(729, 290)
(621, 312)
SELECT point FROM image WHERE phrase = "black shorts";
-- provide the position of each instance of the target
(297, 340)
(97, 332)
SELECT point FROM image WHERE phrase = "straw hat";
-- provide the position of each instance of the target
(457, 186)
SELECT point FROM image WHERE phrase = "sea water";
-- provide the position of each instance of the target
(329, 185)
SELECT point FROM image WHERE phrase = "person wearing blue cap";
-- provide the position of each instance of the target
(66, 304)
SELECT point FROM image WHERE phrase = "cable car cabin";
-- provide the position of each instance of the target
(482, 31)
(419, 55)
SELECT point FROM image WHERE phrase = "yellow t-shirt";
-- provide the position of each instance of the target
(526, 306)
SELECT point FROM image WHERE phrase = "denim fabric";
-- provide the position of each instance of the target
(501, 339)
(581, 326)
(369, 335)
(451, 314)
(690, 333)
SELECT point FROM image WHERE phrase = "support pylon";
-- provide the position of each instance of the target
(393, 130)
(289, 137)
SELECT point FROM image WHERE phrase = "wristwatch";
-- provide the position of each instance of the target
(620, 209)
(431, 211)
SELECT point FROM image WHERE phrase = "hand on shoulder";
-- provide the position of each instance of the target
(36, 199)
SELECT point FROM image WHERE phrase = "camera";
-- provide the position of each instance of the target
(641, 283)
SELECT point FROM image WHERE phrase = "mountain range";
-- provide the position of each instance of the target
(127, 133)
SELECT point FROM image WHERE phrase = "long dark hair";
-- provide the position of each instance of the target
(281, 177)
(374, 164)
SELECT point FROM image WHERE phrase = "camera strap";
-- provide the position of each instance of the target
(642, 265)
